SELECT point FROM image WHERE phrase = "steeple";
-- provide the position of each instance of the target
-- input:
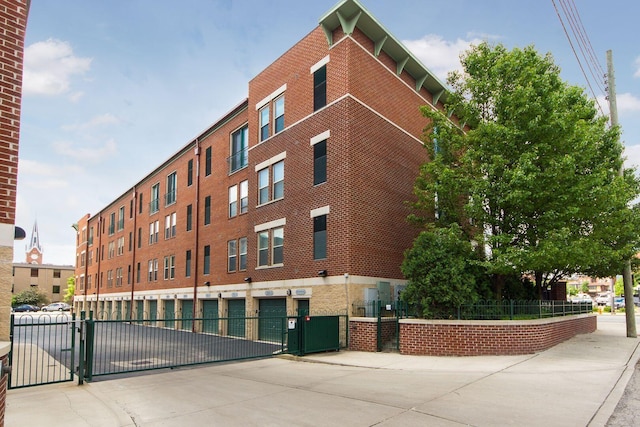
(34, 250)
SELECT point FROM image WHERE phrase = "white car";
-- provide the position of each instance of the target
(57, 306)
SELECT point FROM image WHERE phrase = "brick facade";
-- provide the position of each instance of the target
(372, 124)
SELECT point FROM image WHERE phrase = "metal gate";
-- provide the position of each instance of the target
(271, 313)
(42, 349)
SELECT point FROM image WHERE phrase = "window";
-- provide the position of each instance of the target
(189, 217)
(56, 274)
(170, 226)
(121, 218)
(242, 243)
(244, 197)
(88, 281)
(239, 144)
(110, 279)
(154, 205)
(207, 161)
(320, 237)
(263, 186)
(138, 273)
(81, 284)
(150, 278)
(207, 210)
(112, 223)
(278, 113)
(129, 274)
(90, 260)
(153, 270)
(140, 204)
(172, 183)
(119, 277)
(278, 180)
(232, 255)
(190, 173)
(187, 264)
(112, 250)
(139, 237)
(320, 88)
(233, 201)
(320, 162)
(264, 123)
(55, 289)
(154, 230)
(271, 247)
(120, 245)
(131, 204)
(130, 241)
(206, 267)
(91, 236)
(169, 267)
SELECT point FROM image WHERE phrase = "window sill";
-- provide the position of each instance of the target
(266, 267)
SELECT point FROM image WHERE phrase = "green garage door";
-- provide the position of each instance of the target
(237, 316)
(210, 315)
(272, 316)
(153, 310)
(187, 314)
(140, 310)
(169, 313)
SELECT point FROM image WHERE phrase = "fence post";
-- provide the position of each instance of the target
(511, 303)
(89, 341)
(379, 331)
(81, 353)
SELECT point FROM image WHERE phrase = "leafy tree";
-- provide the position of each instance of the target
(585, 288)
(440, 272)
(536, 171)
(70, 290)
(31, 296)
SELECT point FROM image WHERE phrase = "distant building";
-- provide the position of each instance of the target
(294, 201)
(51, 280)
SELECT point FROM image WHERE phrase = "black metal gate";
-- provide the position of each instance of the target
(43, 349)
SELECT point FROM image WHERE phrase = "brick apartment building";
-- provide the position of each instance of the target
(294, 200)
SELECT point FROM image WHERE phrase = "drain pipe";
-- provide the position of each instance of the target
(196, 229)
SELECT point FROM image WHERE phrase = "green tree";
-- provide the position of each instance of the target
(441, 273)
(31, 296)
(70, 290)
(536, 170)
(585, 288)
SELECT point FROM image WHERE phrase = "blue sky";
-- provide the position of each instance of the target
(113, 88)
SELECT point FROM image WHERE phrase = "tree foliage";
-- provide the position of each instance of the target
(70, 290)
(440, 272)
(534, 176)
(30, 296)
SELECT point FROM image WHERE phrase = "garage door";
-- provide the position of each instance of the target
(169, 313)
(273, 313)
(210, 315)
(187, 314)
(237, 315)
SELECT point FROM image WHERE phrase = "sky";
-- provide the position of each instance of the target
(111, 89)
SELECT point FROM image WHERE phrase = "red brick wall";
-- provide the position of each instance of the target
(13, 20)
(478, 338)
(363, 334)
(3, 389)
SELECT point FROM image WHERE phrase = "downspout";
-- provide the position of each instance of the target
(86, 265)
(99, 281)
(196, 229)
(133, 255)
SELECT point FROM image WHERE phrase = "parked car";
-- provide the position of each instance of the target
(24, 308)
(581, 299)
(57, 306)
(603, 298)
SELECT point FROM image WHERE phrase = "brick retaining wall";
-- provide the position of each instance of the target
(473, 337)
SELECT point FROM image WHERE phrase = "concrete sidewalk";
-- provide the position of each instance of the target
(577, 383)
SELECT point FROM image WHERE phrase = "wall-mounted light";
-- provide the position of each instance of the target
(207, 283)
(219, 294)
(288, 292)
(247, 279)
(322, 273)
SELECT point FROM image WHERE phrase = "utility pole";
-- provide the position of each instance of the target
(626, 273)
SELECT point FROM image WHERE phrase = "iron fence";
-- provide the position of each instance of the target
(520, 309)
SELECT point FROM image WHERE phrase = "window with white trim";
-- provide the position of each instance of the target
(264, 123)
(244, 197)
(169, 267)
(278, 114)
(233, 201)
(271, 183)
(271, 247)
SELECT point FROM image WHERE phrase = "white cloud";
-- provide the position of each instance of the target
(632, 154)
(637, 63)
(96, 121)
(32, 167)
(628, 103)
(49, 66)
(441, 56)
(84, 152)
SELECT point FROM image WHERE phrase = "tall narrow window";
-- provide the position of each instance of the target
(190, 173)
(263, 186)
(263, 248)
(320, 162)
(239, 146)
(233, 201)
(172, 183)
(112, 223)
(206, 265)
(232, 255)
(207, 161)
(150, 277)
(121, 218)
(167, 227)
(189, 217)
(278, 246)
(278, 114)
(154, 205)
(242, 249)
(320, 88)
(174, 220)
(320, 237)
(187, 264)
(264, 123)
(140, 202)
(131, 206)
(151, 233)
(278, 180)
(139, 237)
(138, 273)
(207, 210)
(244, 197)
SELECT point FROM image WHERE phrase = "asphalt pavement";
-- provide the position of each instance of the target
(580, 382)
